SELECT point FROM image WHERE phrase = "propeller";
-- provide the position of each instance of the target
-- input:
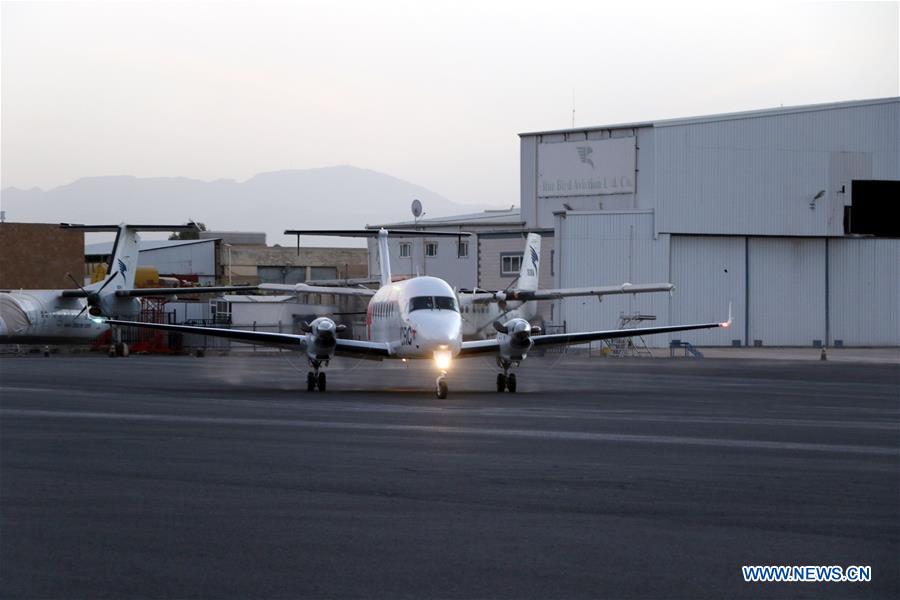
(93, 300)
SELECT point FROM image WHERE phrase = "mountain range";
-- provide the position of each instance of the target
(343, 197)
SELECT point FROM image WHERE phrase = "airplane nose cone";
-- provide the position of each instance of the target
(437, 330)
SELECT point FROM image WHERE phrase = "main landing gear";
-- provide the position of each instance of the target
(315, 379)
(506, 380)
(441, 387)
(117, 347)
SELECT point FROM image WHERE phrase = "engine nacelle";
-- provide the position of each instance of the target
(322, 338)
(514, 338)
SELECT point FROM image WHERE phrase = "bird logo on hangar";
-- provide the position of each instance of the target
(583, 153)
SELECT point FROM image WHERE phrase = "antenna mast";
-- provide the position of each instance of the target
(573, 108)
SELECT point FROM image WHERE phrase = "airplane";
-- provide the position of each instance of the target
(415, 318)
(480, 308)
(67, 316)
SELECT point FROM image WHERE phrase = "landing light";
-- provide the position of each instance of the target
(442, 359)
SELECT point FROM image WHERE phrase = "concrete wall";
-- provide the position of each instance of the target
(38, 256)
(455, 270)
(242, 261)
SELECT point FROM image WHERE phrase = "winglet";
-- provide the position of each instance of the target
(730, 320)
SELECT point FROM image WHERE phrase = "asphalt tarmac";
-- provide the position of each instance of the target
(221, 477)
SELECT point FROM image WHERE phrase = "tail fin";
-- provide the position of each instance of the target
(123, 261)
(384, 257)
(531, 264)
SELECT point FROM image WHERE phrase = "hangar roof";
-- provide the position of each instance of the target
(507, 216)
(747, 114)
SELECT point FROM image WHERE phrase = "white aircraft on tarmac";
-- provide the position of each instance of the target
(416, 318)
(481, 308)
(58, 316)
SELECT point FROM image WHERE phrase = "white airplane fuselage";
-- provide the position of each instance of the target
(43, 317)
(417, 318)
(478, 317)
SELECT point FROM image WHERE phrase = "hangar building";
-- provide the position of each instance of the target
(792, 214)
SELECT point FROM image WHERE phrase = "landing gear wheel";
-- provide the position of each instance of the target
(511, 383)
(501, 382)
(321, 381)
(310, 382)
(442, 389)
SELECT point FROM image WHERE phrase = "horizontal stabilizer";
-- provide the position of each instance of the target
(182, 227)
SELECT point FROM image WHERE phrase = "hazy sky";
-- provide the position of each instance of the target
(431, 92)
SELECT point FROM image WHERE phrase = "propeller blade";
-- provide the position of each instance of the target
(80, 312)
(75, 281)
(107, 282)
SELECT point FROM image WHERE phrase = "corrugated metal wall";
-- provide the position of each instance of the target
(757, 175)
(608, 249)
(864, 291)
(186, 259)
(787, 291)
(708, 273)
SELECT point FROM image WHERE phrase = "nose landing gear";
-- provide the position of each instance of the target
(441, 386)
(316, 378)
(506, 380)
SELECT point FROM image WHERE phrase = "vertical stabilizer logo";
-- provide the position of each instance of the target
(584, 153)
(534, 257)
(122, 268)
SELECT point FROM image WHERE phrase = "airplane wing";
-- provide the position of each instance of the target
(290, 341)
(555, 294)
(184, 291)
(302, 288)
(559, 339)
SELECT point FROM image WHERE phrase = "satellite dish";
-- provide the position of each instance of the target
(416, 208)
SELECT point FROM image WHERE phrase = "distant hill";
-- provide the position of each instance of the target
(331, 197)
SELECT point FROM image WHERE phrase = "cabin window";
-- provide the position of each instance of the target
(430, 248)
(510, 264)
(405, 249)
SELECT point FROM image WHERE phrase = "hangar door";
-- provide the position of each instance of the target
(708, 273)
(786, 291)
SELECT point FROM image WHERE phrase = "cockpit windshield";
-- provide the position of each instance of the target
(433, 302)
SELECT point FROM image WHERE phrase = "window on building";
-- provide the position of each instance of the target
(405, 249)
(510, 264)
(323, 273)
(552, 258)
(430, 248)
(285, 274)
(462, 250)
